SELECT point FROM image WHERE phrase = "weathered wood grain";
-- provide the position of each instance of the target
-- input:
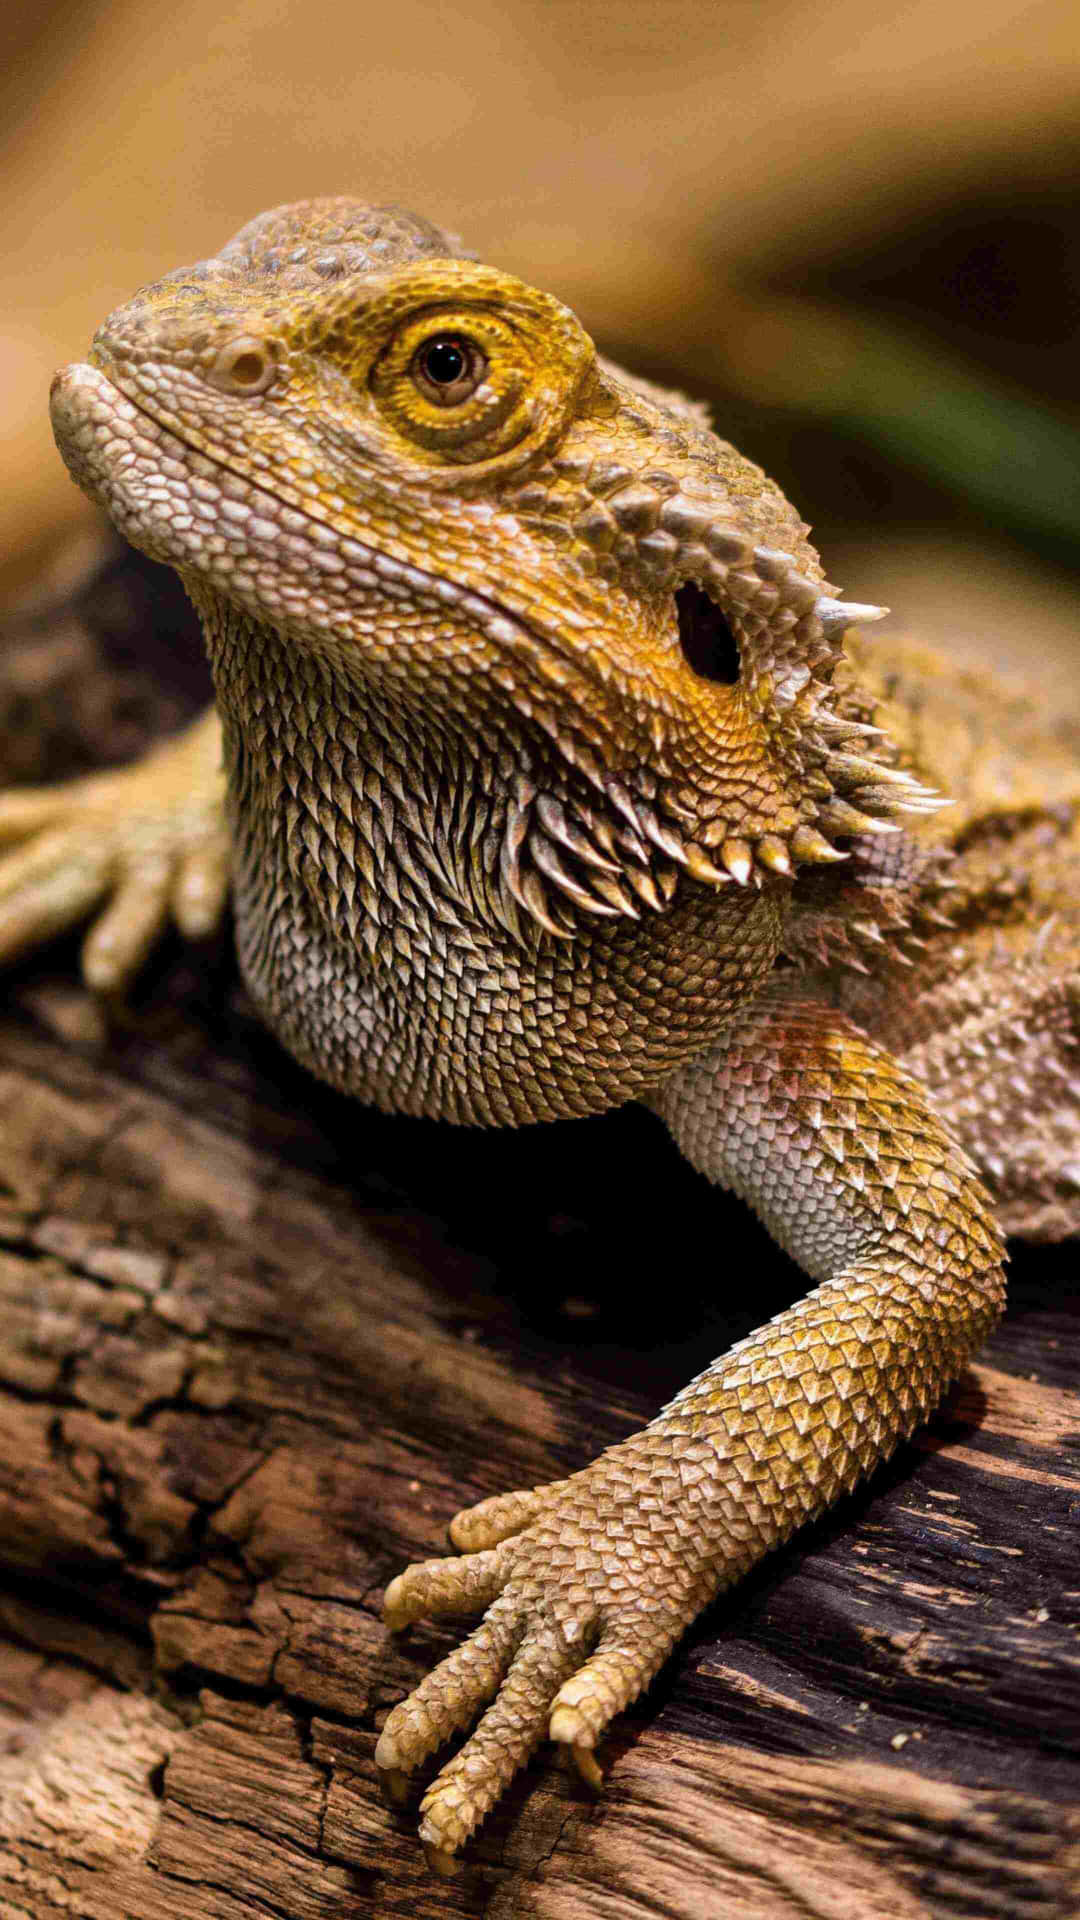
(257, 1345)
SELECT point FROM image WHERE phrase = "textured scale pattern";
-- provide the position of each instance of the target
(554, 776)
(589, 1596)
(381, 952)
(986, 1009)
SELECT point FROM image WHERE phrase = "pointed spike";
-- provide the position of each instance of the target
(928, 798)
(552, 817)
(926, 802)
(697, 863)
(837, 615)
(611, 889)
(841, 818)
(840, 730)
(817, 786)
(543, 852)
(643, 884)
(893, 800)
(861, 614)
(604, 831)
(738, 860)
(510, 865)
(808, 844)
(535, 900)
(622, 799)
(856, 766)
(874, 799)
(589, 903)
(631, 842)
(661, 836)
(773, 853)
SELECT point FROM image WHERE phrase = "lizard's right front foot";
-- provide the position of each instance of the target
(588, 1583)
(141, 844)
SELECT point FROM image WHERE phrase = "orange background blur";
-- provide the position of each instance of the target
(853, 227)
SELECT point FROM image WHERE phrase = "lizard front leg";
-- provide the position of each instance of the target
(138, 846)
(590, 1582)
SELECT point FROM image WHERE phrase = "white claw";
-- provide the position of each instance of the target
(586, 1763)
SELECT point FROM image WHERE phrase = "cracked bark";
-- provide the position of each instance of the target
(256, 1346)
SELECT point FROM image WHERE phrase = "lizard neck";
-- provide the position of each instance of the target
(377, 817)
(375, 934)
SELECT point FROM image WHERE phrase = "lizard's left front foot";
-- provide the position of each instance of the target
(588, 1583)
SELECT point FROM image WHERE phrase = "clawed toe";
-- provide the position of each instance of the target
(449, 1697)
(395, 1784)
(130, 926)
(588, 1767)
(25, 811)
(509, 1733)
(571, 1635)
(201, 889)
(44, 889)
(443, 1589)
(520, 1669)
(137, 846)
(497, 1519)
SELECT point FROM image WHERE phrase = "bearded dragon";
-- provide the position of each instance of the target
(548, 773)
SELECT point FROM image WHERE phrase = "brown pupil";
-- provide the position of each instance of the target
(444, 362)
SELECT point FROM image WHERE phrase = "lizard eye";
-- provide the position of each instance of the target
(243, 366)
(448, 368)
(460, 385)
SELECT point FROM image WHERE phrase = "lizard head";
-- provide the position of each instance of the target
(418, 468)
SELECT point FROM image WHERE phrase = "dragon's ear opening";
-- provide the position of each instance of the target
(707, 641)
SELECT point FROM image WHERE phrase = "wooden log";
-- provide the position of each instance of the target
(257, 1345)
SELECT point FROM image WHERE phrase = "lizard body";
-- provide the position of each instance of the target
(549, 783)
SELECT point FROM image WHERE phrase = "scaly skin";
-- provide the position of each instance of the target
(152, 841)
(549, 785)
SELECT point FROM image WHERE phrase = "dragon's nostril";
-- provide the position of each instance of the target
(243, 366)
(708, 644)
(247, 368)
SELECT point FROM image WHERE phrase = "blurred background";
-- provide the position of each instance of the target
(854, 228)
